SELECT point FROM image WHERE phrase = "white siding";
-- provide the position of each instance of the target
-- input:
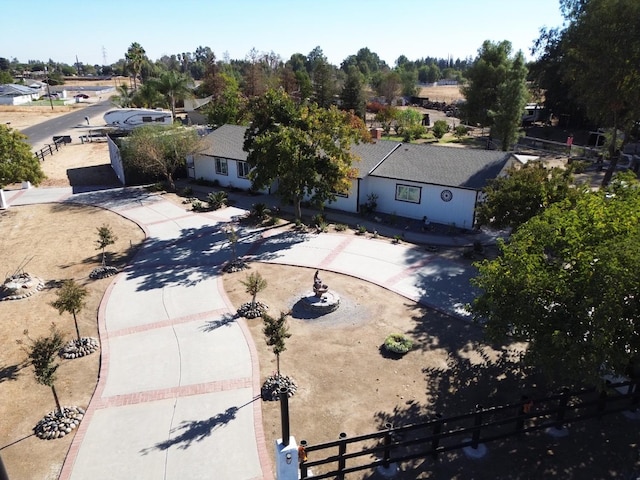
(458, 211)
(349, 203)
(204, 167)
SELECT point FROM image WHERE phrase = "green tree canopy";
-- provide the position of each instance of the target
(17, 161)
(568, 284)
(496, 92)
(160, 150)
(352, 94)
(135, 57)
(174, 86)
(276, 332)
(511, 200)
(305, 148)
(71, 300)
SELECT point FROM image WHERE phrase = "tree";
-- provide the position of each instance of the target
(440, 127)
(389, 86)
(409, 123)
(160, 150)
(71, 300)
(17, 162)
(276, 332)
(567, 283)
(42, 354)
(5, 77)
(511, 100)
(523, 193)
(135, 58)
(174, 86)
(105, 238)
(305, 147)
(124, 97)
(254, 284)
(323, 84)
(228, 106)
(495, 87)
(387, 115)
(602, 69)
(352, 94)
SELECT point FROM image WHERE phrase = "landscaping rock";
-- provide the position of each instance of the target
(103, 272)
(270, 390)
(57, 425)
(252, 310)
(77, 349)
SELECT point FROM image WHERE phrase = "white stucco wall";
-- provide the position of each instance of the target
(458, 211)
(349, 203)
(205, 168)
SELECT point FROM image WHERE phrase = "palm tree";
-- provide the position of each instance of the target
(135, 56)
(124, 98)
(175, 86)
(148, 96)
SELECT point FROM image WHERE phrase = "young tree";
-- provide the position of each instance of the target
(276, 332)
(409, 124)
(440, 127)
(71, 300)
(254, 284)
(17, 162)
(160, 150)
(567, 283)
(305, 147)
(523, 193)
(42, 354)
(135, 58)
(105, 238)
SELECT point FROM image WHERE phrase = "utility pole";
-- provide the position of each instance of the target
(46, 73)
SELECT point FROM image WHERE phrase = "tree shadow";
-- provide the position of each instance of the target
(11, 372)
(211, 325)
(188, 432)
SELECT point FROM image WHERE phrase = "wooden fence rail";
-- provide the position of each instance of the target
(439, 435)
(50, 149)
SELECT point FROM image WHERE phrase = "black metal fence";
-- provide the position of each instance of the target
(439, 435)
(50, 149)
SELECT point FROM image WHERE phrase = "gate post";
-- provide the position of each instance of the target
(342, 449)
(387, 469)
(476, 449)
(559, 430)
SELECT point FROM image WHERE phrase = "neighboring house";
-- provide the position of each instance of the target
(13, 94)
(440, 183)
(193, 106)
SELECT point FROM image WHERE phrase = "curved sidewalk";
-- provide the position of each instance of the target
(178, 393)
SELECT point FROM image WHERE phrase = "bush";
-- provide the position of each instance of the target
(217, 200)
(186, 192)
(440, 127)
(398, 343)
(340, 227)
(460, 131)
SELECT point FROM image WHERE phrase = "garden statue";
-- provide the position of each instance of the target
(318, 287)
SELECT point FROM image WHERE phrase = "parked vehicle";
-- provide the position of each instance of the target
(130, 118)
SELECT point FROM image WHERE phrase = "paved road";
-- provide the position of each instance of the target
(43, 133)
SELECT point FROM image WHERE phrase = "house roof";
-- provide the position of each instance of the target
(440, 165)
(14, 90)
(432, 164)
(226, 142)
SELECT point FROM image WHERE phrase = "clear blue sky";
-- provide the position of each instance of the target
(97, 29)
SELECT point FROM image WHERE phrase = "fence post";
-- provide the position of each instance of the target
(437, 429)
(558, 430)
(477, 422)
(524, 410)
(50, 149)
(302, 459)
(342, 449)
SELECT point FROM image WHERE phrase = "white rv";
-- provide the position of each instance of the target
(130, 118)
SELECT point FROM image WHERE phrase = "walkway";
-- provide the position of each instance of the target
(178, 393)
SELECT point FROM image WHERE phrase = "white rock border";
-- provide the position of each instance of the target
(58, 425)
(27, 293)
(102, 272)
(74, 349)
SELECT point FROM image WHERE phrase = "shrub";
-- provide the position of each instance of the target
(398, 343)
(440, 127)
(217, 200)
(361, 230)
(340, 227)
(186, 192)
(260, 211)
(460, 131)
(197, 206)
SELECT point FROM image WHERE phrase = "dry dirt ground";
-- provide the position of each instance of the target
(345, 383)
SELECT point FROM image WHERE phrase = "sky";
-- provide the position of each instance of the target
(100, 32)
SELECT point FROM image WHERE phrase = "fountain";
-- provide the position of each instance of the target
(322, 300)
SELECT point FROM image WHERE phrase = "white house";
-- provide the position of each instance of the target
(416, 181)
(13, 94)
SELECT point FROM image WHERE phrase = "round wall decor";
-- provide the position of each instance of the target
(446, 195)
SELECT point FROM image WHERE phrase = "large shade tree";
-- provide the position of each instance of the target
(17, 161)
(496, 91)
(160, 150)
(601, 58)
(307, 149)
(512, 199)
(568, 284)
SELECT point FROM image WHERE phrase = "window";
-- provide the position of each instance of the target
(407, 193)
(243, 169)
(221, 166)
(147, 119)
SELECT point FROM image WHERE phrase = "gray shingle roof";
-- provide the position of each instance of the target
(432, 164)
(440, 165)
(226, 142)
